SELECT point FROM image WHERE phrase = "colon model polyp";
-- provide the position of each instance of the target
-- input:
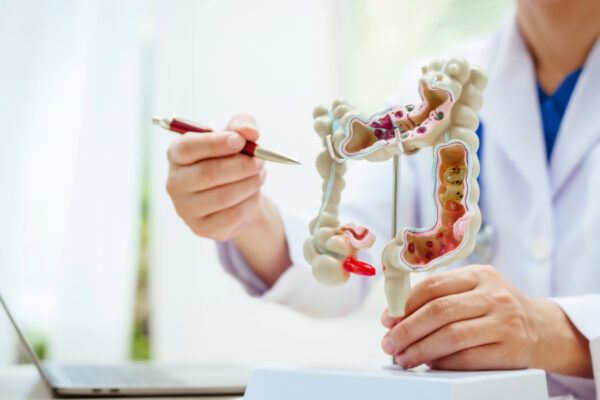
(453, 215)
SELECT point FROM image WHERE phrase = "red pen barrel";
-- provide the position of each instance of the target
(249, 148)
(181, 126)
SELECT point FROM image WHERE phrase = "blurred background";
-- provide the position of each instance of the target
(94, 261)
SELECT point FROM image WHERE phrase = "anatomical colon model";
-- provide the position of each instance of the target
(451, 93)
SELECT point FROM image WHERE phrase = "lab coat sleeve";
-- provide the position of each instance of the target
(296, 287)
(233, 262)
(584, 313)
(366, 200)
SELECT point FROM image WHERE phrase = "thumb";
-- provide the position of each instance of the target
(244, 124)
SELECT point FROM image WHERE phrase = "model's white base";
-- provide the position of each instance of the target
(595, 351)
(389, 382)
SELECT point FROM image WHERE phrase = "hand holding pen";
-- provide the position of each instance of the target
(215, 189)
(182, 125)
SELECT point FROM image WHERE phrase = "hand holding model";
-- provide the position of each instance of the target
(216, 191)
(472, 318)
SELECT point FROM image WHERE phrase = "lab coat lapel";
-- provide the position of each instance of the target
(580, 129)
(511, 114)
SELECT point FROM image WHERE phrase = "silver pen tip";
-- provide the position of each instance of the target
(275, 156)
(162, 122)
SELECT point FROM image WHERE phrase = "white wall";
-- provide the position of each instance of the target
(69, 167)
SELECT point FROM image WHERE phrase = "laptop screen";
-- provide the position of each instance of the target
(25, 344)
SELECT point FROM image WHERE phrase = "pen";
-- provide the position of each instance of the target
(182, 125)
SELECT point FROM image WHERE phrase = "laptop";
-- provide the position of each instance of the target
(135, 379)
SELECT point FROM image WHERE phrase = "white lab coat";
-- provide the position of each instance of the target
(547, 217)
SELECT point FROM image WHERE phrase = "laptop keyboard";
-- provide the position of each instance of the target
(131, 375)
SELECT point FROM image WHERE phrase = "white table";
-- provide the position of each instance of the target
(24, 382)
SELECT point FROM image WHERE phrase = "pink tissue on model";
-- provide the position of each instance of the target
(461, 226)
(359, 236)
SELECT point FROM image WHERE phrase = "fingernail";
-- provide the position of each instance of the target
(388, 345)
(429, 364)
(235, 141)
(248, 125)
(402, 360)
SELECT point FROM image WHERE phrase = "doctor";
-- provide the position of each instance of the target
(537, 304)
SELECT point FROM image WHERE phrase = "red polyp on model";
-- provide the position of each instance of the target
(358, 267)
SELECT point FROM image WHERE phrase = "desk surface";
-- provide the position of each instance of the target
(23, 382)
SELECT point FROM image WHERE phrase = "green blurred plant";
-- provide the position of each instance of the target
(141, 338)
(140, 344)
(38, 340)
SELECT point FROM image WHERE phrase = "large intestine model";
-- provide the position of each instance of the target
(451, 92)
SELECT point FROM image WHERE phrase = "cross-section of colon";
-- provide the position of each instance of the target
(414, 125)
(424, 248)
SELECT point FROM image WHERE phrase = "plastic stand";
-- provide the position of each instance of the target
(390, 382)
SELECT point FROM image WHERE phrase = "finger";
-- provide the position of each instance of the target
(222, 197)
(486, 357)
(387, 321)
(244, 124)
(448, 340)
(440, 285)
(224, 224)
(436, 314)
(212, 173)
(193, 147)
